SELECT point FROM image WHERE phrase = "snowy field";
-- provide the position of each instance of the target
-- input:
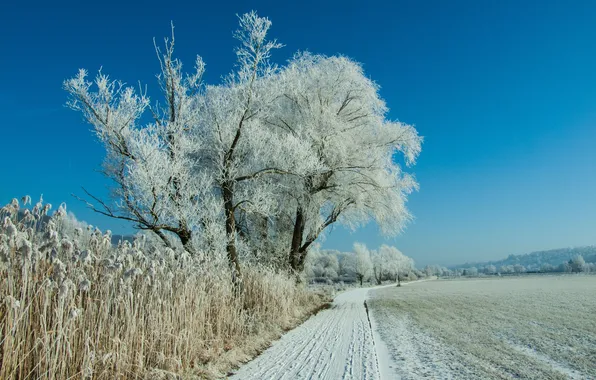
(541, 327)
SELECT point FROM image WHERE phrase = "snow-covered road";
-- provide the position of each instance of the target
(337, 343)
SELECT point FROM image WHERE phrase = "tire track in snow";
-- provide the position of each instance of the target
(337, 343)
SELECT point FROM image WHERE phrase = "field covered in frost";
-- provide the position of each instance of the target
(538, 327)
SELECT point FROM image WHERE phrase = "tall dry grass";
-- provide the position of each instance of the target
(75, 307)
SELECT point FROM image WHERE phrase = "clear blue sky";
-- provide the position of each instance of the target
(503, 91)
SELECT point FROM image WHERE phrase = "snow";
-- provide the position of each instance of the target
(384, 361)
(538, 327)
(568, 372)
(337, 343)
(342, 342)
(417, 354)
(442, 329)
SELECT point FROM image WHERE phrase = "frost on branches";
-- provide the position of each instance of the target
(329, 103)
(257, 167)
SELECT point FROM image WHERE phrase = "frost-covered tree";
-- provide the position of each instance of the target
(397, 264)
(345, 262)
(506, 269)
(433, 270)
(428, 270)
(255, 167)
(578, 264)
(236, 150)
(546, 268)
(184, 172)
(326, 266)
(149, 164)
(379, 262)
(518, 268)
(361, 262)
(564, 267)
(330, 104)
(387, 263)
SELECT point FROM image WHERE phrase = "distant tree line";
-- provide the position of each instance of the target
(361, 265)
(576, 264)
(540, 261)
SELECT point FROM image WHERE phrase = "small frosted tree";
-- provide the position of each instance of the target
(433, 270)
(397, 264)
(578, 264)
(345, 262)
(362, 264)
(506, 269)
(518, 268)
(379, 264)
(546, 268)
(310, 270)
(564, 267)
(326, 266)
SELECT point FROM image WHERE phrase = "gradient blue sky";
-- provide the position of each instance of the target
(503, 91)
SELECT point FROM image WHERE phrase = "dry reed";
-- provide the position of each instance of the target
(76, 307)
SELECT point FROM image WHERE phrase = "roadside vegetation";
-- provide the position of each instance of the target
(76, 306)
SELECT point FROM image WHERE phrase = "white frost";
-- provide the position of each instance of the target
(334, 344)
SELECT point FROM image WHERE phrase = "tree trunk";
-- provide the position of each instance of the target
(297, 236)
(299, 250)
(209, 242)
(264, 232)
(232, 254)
(185, 236)
(163, 237)
(378, 274)
(303, 252)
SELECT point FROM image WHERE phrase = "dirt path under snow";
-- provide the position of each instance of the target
(337, 343)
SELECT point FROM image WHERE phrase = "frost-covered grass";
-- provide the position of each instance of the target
(530, 327)
(75, 307)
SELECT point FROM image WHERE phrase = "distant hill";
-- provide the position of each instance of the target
(535, 259)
